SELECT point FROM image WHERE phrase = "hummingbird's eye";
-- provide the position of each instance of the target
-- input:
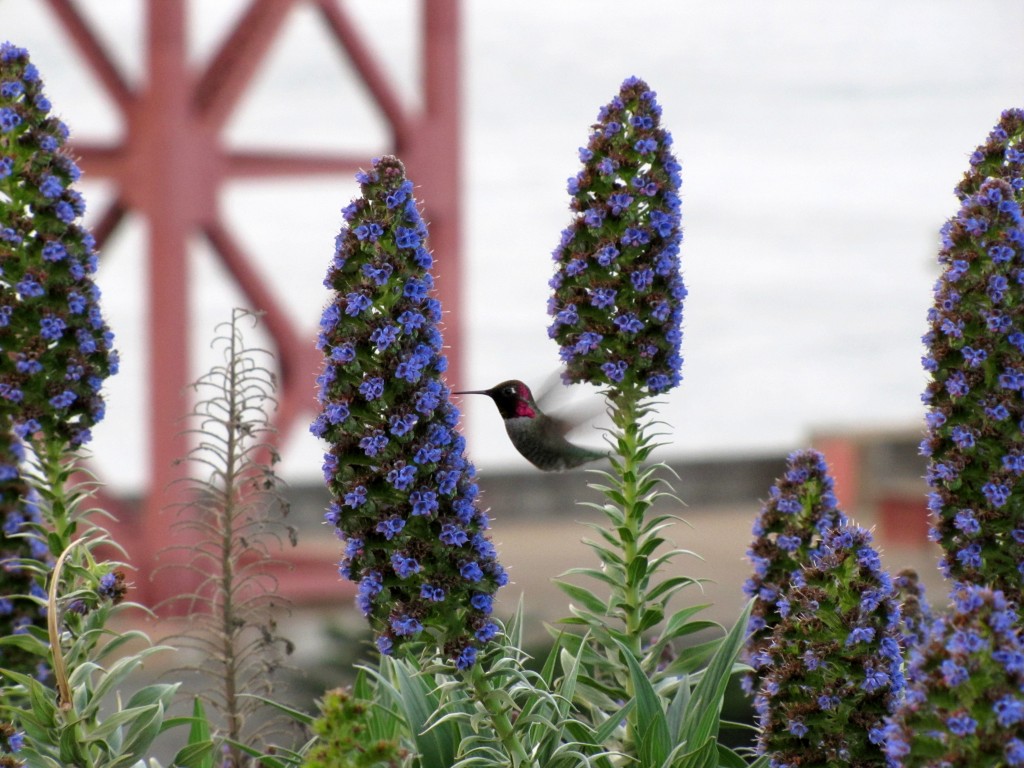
(510, 391)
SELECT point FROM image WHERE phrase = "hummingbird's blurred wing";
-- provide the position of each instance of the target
(556, 400)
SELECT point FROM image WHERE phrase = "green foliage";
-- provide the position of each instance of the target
(80, 719)
(673, 699)
(497, 713)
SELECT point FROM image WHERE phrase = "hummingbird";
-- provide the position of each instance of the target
(538, 437)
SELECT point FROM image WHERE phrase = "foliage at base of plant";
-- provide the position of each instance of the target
(497, 713)
(76, 715)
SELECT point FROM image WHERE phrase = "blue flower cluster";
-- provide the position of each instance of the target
(834, 662)
(964, 703)
(800, 510)
(405, 501)
(618, 293)
(22, 540)
(57, 348)
(1001, 156)
(975, 357)
(11, 742)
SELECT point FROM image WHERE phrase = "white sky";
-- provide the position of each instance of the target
(820, 143)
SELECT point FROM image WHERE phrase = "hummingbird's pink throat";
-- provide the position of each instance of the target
(523, 409)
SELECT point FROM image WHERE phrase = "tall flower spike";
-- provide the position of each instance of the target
(56, 345)
(834, 661)
(405, 502)
(963, 704)
(975, 357)
(618, 292)
(800, 509)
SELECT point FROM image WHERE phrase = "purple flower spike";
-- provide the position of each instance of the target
(618, 292)
(402, 487)
(975, 359)
(49, 303)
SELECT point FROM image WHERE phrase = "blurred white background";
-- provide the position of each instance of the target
(820, 143)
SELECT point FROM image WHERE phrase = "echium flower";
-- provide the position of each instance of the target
(800, 509)
(1000, 157)
(618, 292)
(405, 501)
(11, 742)
(834, 661)
(56, 346)
(964, 703)
(20, 517)
(975, 357)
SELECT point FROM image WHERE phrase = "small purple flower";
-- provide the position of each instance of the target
(471, 571)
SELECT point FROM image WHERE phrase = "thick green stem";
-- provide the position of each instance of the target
(629, 440)
(500, 720)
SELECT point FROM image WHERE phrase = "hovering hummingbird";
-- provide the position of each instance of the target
(538, 437)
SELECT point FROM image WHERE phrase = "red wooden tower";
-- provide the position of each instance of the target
(170, 168)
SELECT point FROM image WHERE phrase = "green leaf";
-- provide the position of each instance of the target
(107, 729)
(595, 574)
(608, 727)
(69, 747)
(702, 721)
(727, 758)
(652, 736)
(297, 715)
(151, 694)
(25, 642)
(670, 586)
(436, 746)
(196, 754)
(637, 571)
(650, 617)
(199, 742)
(677, 707)
(582, 595)
(703, 756)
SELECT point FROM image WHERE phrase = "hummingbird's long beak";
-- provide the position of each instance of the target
(473, 392)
